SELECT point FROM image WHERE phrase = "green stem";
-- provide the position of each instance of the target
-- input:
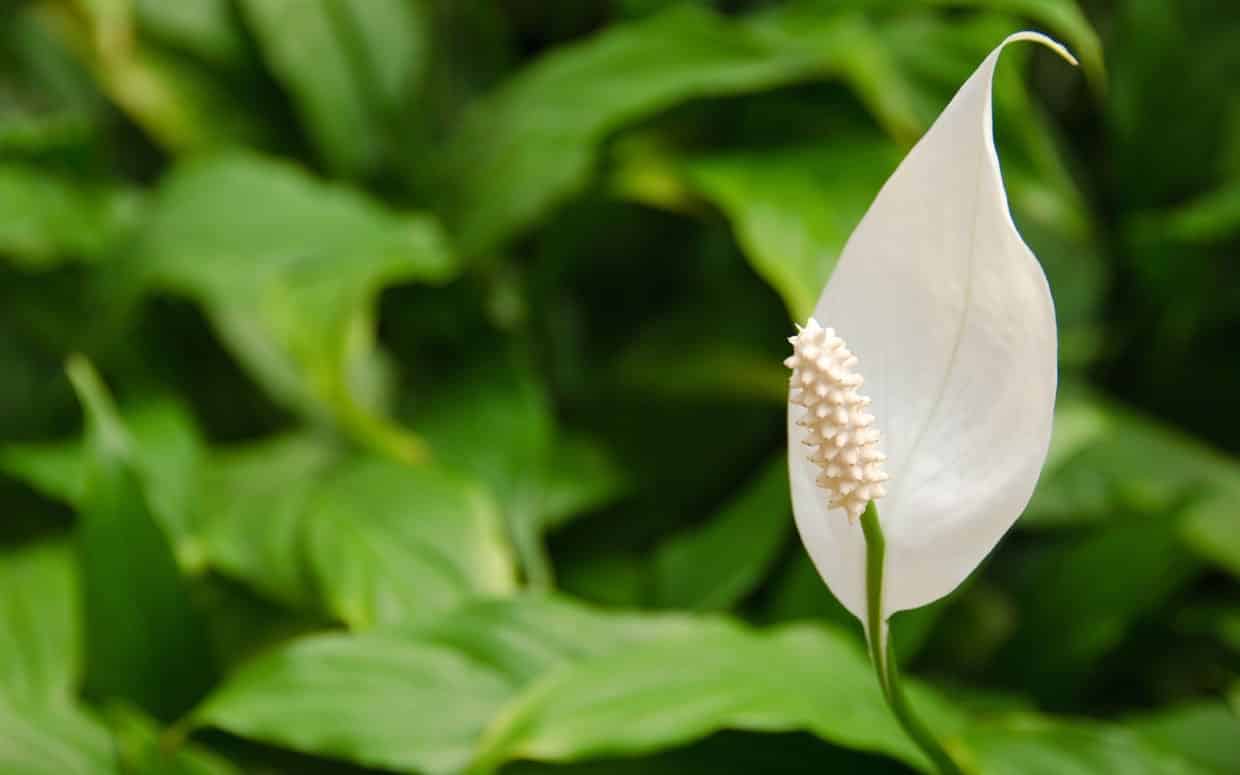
(879, 641)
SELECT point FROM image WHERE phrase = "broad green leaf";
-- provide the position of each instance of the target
(288, 269)
(179, 102)
(715, 565)
(674, 690)
(377, 700)
(40, 659)
(1107, 459)
(372, 541)
(52, 741)
(1205, 733)
(141, 750)
(389, 543)
(167, 450)
(509, 164)
(793, 208)
(256, 497)
(1037, 746)
(348, 65)
(525, 637)
(47, 218)
(343, 696)
(144, 640)
(495, 423)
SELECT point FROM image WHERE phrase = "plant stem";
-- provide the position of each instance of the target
(879, 641)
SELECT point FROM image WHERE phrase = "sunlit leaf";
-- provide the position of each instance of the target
(40, 648)
(53, 741)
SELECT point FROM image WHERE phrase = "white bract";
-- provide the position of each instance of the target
(947, 314)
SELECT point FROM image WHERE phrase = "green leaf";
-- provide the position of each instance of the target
(144, 640)
(575, 681)
(288, 269)
(495, 423)
(142, 751)
(167, 449)
(377, 700)
(52, 741)
(256, 497)
(1209, 219)
(349, 65)
(47, 219)
(40, 659)
(1074, 612)
(1107, 459)
(509, 164)
(390, 543)
(720, 676)
(794, 208)
(1204, 733)
(372, 541)
(1038, 746)
(714, 566)
(1212, 529)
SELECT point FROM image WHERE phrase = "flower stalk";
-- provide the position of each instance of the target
(878, 639)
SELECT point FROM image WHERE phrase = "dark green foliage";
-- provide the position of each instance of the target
(448, 430)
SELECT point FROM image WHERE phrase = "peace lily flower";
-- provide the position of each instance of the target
(905, 478)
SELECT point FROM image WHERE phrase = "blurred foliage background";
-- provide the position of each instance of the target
(396, 384)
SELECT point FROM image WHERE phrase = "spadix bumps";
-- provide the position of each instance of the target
(838, 429)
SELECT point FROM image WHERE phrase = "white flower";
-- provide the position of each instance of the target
(947, 314)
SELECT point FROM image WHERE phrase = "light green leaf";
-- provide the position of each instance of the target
(52, 741)
(288, 269)
(372, 541)
(721, 676)
(256, 497)
(1037, 746)
(349, 65)
(495, 423)
(714, 566)
(794, 208)
(46, 218)
(389, 543)
(40, 659)
(376, 700)
(1205, 733)
(580, 681)
(167, 449)
(509, 164)
(1106, 459)
(144, 640)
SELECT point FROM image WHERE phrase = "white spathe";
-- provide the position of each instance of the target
(950, 316)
